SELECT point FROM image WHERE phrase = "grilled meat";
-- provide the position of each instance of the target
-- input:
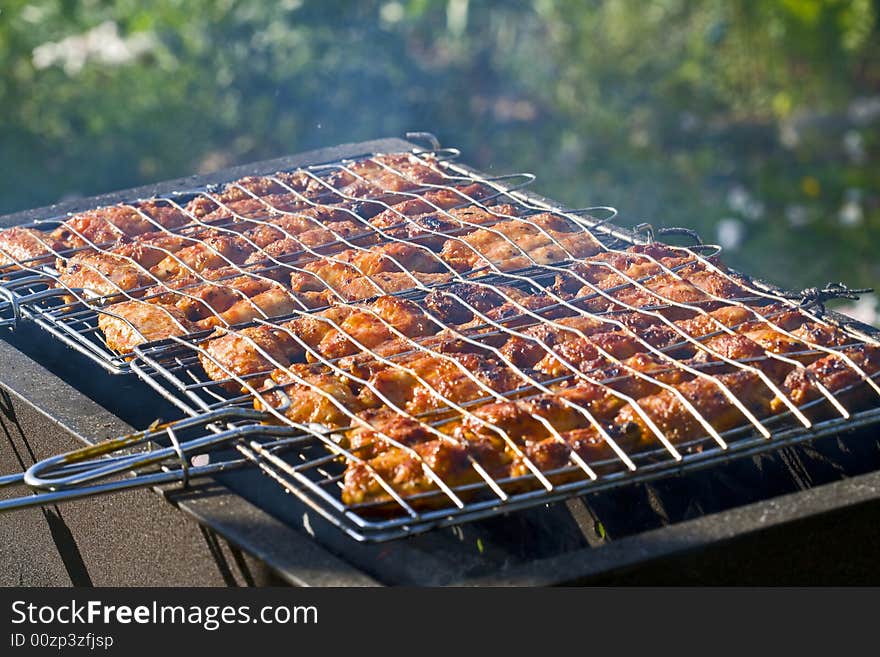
(28, 246)
(209, 293)
(211, 252)
(837, 376)
(273, 302)
(515, 244)
(305, 396)
(104, 275)
(243, 352)
(131, 323)
(112, 223)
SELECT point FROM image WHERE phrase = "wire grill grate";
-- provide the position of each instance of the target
(555, 277)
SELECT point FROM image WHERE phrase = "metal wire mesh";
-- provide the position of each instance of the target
(479, 350)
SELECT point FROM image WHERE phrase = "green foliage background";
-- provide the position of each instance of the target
(763, 117)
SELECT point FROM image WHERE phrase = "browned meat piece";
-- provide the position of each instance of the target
(405, 472)
(622, 379)
(434, 229)
(407, 173)
(131, 323)
(28, 246)
(243, 190)
(262, 208)
(332, 233)
(365, 287)
(738, 317)
(821, 334)
(370, 328)
(273, 302)
(236, 353)
(742, 348)
(583, 353)
(322, 399)
(296, 184)
(322, 275)
(313, 329)
(365, 365)
(542, 239)
(692, 284)
(425, 382)
(395, 257)
(837, 376)
(275, 245)
(756, 339)
(348, 265)
(383, 174)
(209, 293)
(659, 290)
(212, 252)
(103, 274)
(555, 453)
(428, 204)
(511, 315)
(532, 419)
(673, 419)
(611, 268)
(112, 223)
(522, 419)
(149, 249)
(386, 428)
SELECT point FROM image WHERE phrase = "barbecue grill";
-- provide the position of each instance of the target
(216, 432)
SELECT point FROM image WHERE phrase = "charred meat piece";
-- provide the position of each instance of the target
(457, 303)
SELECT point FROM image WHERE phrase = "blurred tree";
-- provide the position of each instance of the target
(756, 123)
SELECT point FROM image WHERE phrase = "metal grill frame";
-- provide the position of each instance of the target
(363, 529)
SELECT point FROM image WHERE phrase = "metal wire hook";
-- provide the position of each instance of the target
(11, 303)
(678, 230)
(429, 137)
(184, 464)
(814, 297)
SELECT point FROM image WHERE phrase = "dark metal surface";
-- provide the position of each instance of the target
(133, 538)
(773, 507)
